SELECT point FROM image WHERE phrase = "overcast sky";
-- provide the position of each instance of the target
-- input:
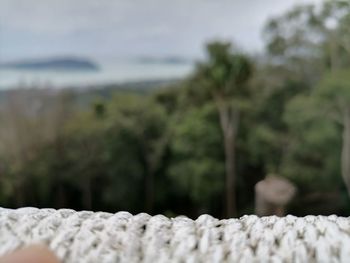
(122, 28)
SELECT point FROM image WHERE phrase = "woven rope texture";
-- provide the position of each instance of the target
(121, 237)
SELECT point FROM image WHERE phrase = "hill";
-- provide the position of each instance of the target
(68, 63)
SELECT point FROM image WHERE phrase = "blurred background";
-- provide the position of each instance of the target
(176, 107)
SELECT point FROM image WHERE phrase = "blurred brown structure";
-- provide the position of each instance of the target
(272, 195)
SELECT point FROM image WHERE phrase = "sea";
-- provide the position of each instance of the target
(108, 73)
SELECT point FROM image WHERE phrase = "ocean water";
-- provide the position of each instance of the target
(108, 73)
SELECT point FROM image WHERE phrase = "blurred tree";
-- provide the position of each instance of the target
(85, 137)
(31, 119)
(268, 142)
(224, 77)
(145, 124)
(312, 156)
(311, 39)
(197, 165)
(334, 95)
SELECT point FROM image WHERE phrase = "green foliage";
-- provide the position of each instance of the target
(225, 72)
(310, 39)
(198, 166)
(335, 87)
(310, 159)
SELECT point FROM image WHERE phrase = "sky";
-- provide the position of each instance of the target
(105, 29)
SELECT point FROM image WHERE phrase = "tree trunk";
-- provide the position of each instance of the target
(20, 195)
(60, 196)
(333, 58)
(229, 146)
(345, 158)
(149, 198)
(229, 119)
(152, 160)
(87, 196)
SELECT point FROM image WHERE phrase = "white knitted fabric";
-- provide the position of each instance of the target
(122, 237)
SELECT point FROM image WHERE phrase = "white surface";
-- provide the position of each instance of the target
(121, 237)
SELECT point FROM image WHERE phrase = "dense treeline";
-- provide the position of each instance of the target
(199, 145)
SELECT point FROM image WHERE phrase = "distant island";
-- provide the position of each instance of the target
(162, 60)
(61, 64)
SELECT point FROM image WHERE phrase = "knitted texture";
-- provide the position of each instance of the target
(121, 237)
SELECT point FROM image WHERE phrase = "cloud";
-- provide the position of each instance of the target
(126, 27)
(62, 16)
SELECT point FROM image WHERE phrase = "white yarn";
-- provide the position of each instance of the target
(121, 237)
